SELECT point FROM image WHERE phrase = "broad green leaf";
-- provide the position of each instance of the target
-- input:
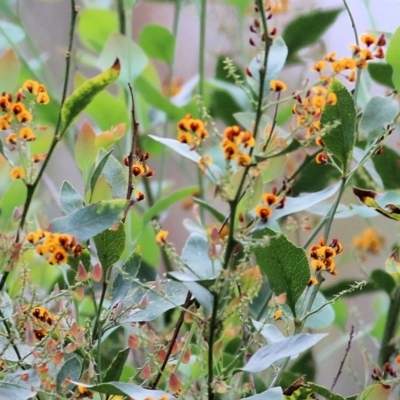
(10, 35)
(70, 199)
(288, 347)
(381, 73)
(198, 264)
(8, 353)
(99, 110)
(341, 314)
(307, 29)
(85, 149)
(341, 139)
(83, 95)
(124, 281)
(377, 391)
(71, 369)
(101, 162)
(132, 58)
(170, 295)
(252, 196)
(10, 69)
(158, 42)
(271, 168)
(95, 26)
(110, 244)
(161, 205)
(392, 57)
(294, 145)
(158, 100)
(270, 394)
(126, 389)
(284, 264)
(115, 369)
(379, 112)
(384, 280)
(276, 60)
(324, 392)
(20, 385)
(91, 220)
(215, 213)
(14, 196)
(387, 165)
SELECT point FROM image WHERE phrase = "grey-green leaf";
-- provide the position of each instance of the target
(284, 264)
(70, 199)
(91, 220)
(341, 139)
(102, 159)
(19, 385)
(71, 369)
(115, 175)
(115, 369)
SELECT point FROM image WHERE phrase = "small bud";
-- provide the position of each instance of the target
(251, 41)
(97, 273)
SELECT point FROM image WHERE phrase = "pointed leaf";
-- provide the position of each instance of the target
(85, 149)
(266, 356)
(70, 199)
(341, 139)
(202, 295)
(215, 213)
(320, 320)
(181, 148)
(387, 165)
(115, 369)
(102, 159)
(20, 385)
(110, 244)
(115, 174)
(71, 369)
(124, 281)
(285, 265)
(376, 392)
(392, 57)
(381, 73)
(84, 94)
(379, 112)
(324, 392)
(91, 220)
(270, 394)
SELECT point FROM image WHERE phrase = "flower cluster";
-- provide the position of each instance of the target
(16, 116)
(191, 131)
(368, 241)
(57, 246)
(42, 320)
(269, 201)
(322, 255)
(234, 143)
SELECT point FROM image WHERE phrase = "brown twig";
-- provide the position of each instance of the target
(346, 353)
(173, 340)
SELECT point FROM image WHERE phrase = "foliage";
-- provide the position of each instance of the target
(96, 301)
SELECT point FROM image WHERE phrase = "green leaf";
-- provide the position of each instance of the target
(158, 100)
(381, 73)
(10, 69)
(198, 264)
(115, 369)
(288, 347)
(161, 205)
(85, 149)
(83, 95)
(202, 295)
(10, 35)
(387, 165)
(307, 29)
(379, 112)
(124, 281)
(324, 392)
(102, 159)
(70, 198)
(91, 220)
(170, 295)
(252, 196)
(383, 280)
(110, 244)
(392, 57)
(271, 168)
(132, 58)
(14, 196)
(377, 391)
(115, 175)
(158, 42)
(294, 145)
(341, 314)
(126, 389)
(341, 139)
(181, 148)
(215, 213)
(19, 385)
(95, 26)
(285, 265)
(71, 369)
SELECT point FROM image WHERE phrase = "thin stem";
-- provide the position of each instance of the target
(173, 340)
(121, 16)
(31, 188)
(213, 327)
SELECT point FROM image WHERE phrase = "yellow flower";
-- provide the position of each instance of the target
(263, 212)
(269, 198)
(17, 173)
(161, 237)
(12, 138)
(43, 98)
(27, 134)
(277, 86)
(318, 101)
(243, 159)
(319, 66)
(368, 39)
(278, 315)
(31, 86)
(24, 116)
(369, 241)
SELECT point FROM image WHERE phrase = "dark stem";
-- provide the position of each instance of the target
(14, 346)
(392, 321)
(173, 340)
(346, 353)
(121, 16)
(213, 327)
